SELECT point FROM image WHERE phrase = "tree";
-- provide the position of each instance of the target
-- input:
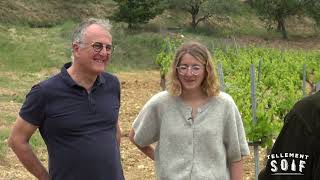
(277, 11)
(312, 9)
(137, 11)
(201, 10)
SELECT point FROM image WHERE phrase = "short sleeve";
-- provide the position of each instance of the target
(33, 108)
(147, 124)
(234, 134)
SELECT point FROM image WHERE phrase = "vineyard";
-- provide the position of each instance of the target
(282, 78)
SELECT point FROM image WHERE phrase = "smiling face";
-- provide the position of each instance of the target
(191, 81)
(204, 79)
(86, 57)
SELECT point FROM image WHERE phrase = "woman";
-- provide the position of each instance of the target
(197, 129)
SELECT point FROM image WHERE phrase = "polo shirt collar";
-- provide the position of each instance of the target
(67, 78)
(100, 80)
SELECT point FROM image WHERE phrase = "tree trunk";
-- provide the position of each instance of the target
(283, 30)
(279, 26)
(194, 22)
(250, 2)
(163, 82)
(194, 11)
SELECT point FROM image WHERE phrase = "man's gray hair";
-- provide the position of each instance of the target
(78, 34)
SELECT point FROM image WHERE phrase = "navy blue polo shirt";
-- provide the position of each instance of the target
(79, 128)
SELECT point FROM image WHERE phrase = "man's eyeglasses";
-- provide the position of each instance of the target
(195, 69)
(98, 46)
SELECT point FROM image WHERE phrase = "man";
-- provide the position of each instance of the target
(295, 154)
(76, 112)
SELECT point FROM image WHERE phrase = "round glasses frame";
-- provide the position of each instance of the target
(195, 69)
(98, 46)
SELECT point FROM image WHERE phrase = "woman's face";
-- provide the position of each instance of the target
(191, 73)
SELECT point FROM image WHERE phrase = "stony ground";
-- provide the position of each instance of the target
(137, 88)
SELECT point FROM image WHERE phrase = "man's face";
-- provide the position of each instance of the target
(93, 54)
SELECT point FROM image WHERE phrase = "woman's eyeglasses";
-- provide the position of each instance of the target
(195, 69)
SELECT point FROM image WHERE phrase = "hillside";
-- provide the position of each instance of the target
(54, 21)
(47, 13)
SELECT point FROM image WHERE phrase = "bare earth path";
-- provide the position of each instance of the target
(137, 88)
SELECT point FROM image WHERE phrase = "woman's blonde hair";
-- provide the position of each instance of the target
(210, 84)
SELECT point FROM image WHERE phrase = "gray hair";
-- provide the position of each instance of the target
(78, 34)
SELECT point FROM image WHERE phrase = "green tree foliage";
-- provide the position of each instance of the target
(137, 11)
(312, 9)
(201, 10)
(276, 11)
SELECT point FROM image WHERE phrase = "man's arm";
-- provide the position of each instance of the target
(147, 150)
(19, 142)
(236, 170)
